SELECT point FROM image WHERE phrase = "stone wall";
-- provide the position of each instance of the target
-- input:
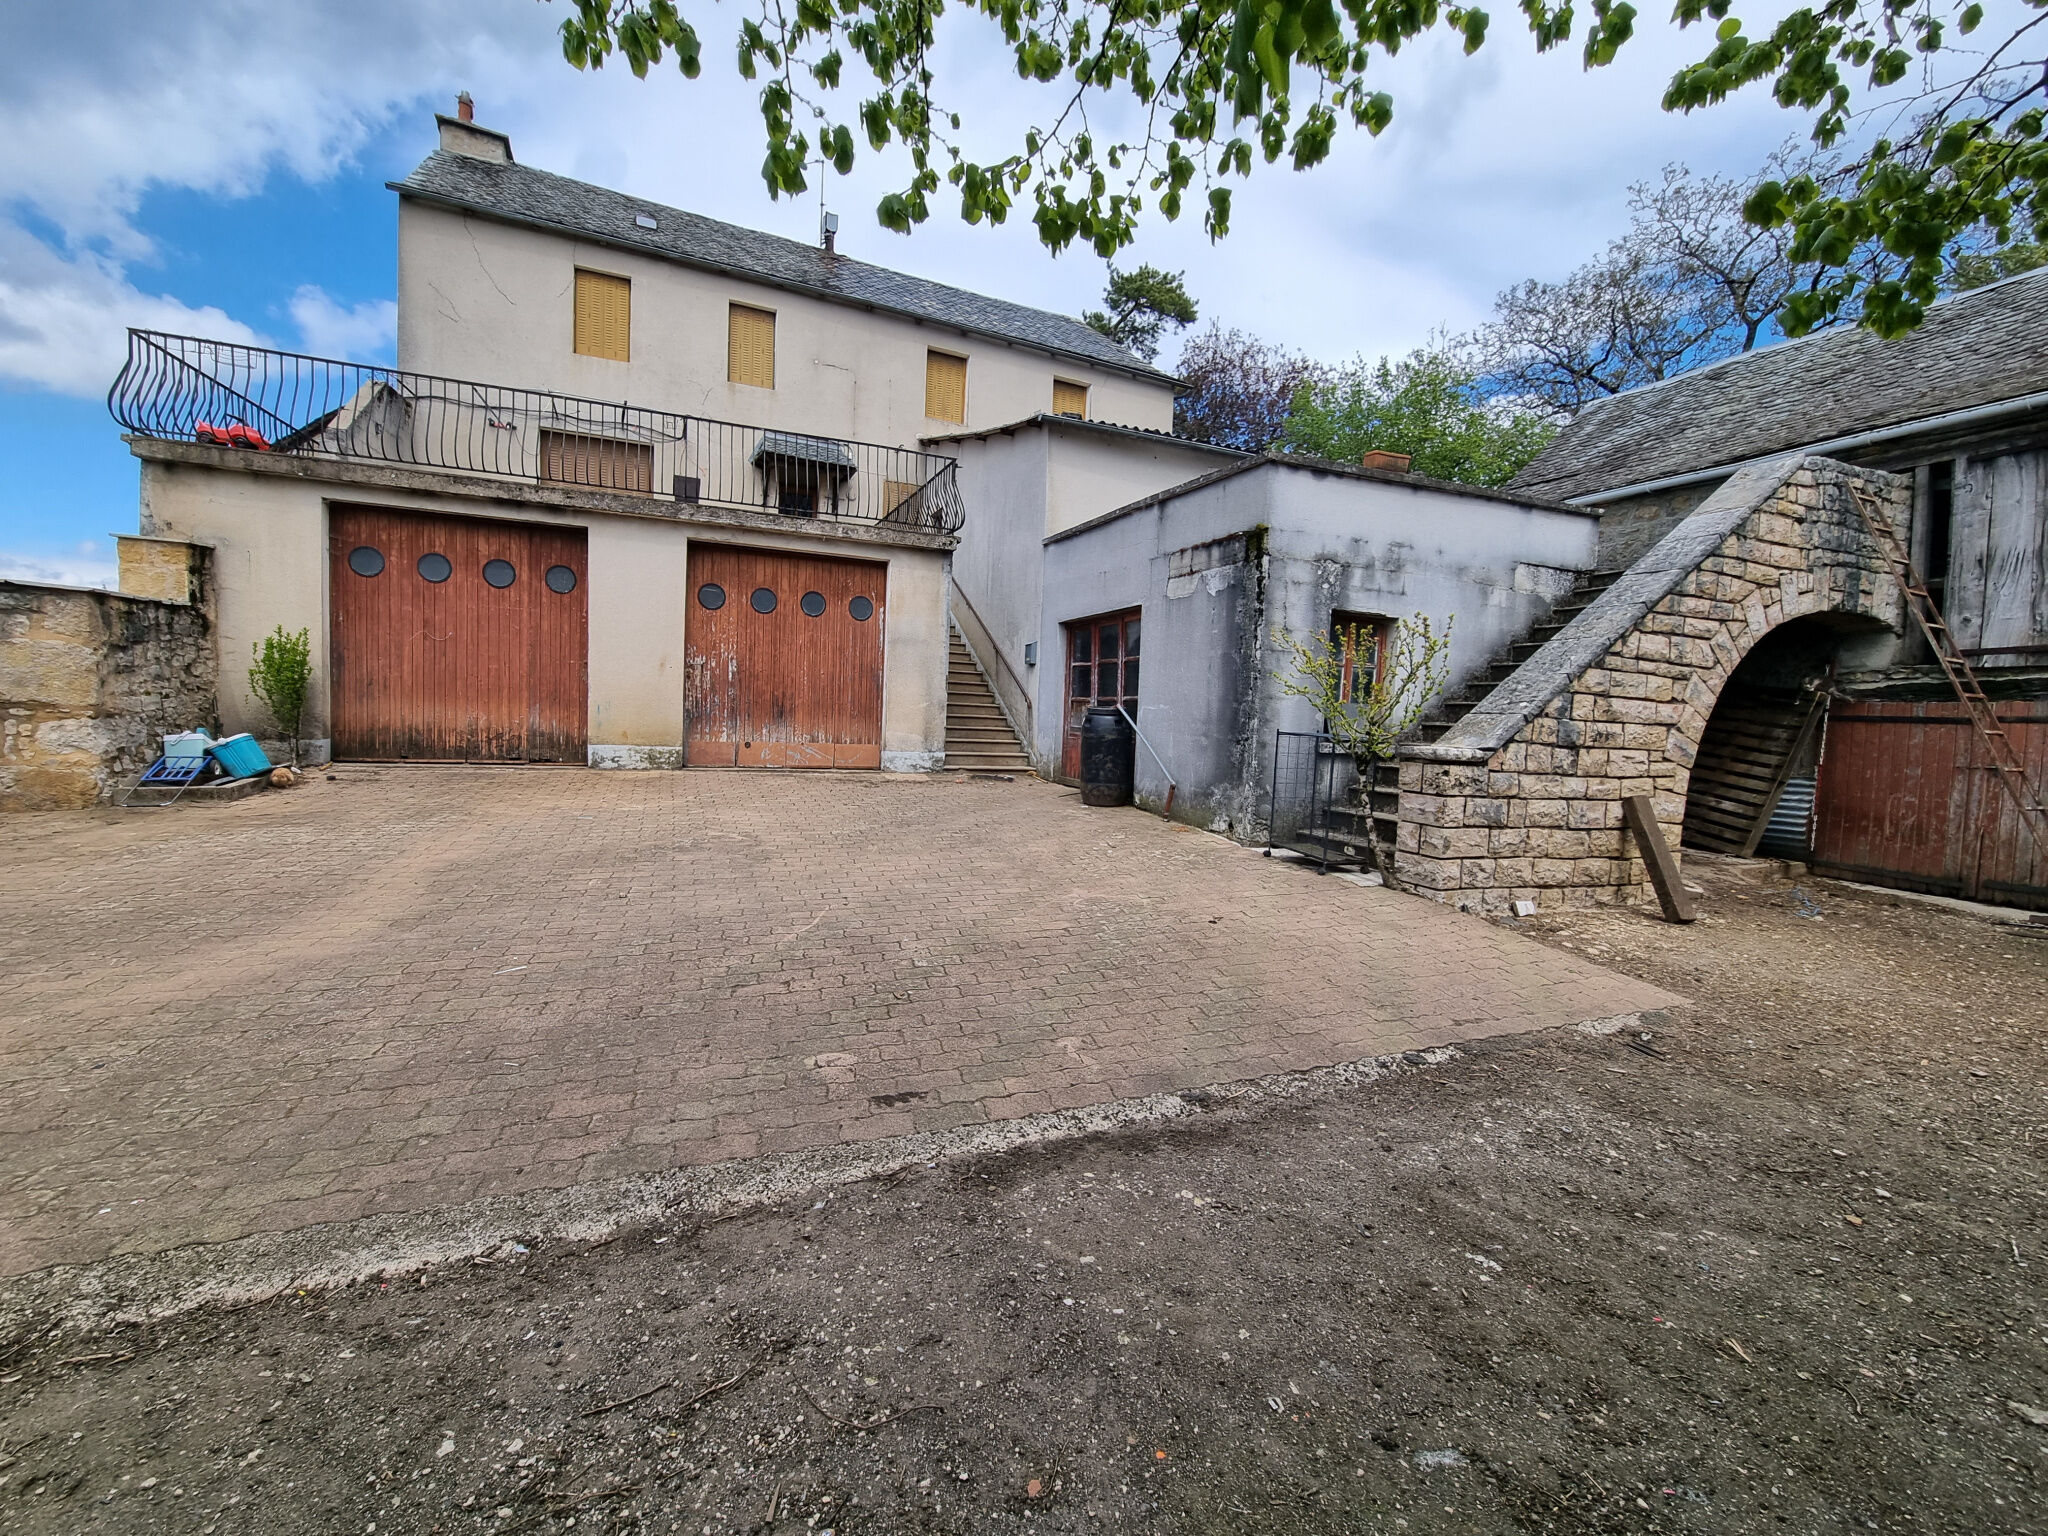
(1521, 799)
(1632, 527)
(90, 681)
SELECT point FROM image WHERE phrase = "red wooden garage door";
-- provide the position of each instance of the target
(456, 638)
(785, 660)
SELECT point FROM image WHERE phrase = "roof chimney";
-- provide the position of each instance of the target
(460, 135)
(1381, 458)
(828, 232)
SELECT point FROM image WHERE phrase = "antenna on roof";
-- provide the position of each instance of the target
(828, 223)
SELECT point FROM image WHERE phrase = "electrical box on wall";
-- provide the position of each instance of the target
(1030, 653)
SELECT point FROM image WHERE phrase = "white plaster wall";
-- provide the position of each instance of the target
(997, 567)
(493, 302)
(270, 567)
(1096, 472)
(1208, 700)
(1045, 477)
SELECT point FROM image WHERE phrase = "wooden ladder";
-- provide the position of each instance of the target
(1962, 677)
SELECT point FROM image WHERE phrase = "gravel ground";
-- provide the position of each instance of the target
(1769, 1263)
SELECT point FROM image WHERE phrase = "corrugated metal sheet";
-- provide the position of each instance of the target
(1789, 832)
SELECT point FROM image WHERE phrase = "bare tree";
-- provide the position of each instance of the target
(1691, 282)
(1240, 389)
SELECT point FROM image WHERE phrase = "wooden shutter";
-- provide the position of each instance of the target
(750, 346)
(604, 315)
(1069, 399)
(573, 458)
(945, 387)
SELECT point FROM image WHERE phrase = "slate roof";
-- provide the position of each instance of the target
(522, 195)
(1976, 348)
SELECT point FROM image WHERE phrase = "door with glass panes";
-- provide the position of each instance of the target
(1102, 668)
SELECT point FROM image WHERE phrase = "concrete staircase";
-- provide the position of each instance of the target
(978, 736)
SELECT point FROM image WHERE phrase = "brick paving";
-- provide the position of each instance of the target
(409, 987)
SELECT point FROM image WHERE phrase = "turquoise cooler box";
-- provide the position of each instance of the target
(240, 756)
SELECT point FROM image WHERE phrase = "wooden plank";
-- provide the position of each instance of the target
(1641, 814)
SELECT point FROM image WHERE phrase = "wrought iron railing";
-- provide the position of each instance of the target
(185, 389)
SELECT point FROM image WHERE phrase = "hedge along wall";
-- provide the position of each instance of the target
(1521, 799)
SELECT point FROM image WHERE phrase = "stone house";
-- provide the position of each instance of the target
(1841, 744)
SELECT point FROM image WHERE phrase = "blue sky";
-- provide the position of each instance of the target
(219, 168)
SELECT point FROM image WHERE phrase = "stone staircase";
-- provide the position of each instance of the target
(978, 736)
(1353, 827)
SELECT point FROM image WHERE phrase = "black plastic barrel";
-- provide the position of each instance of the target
(1109, 749)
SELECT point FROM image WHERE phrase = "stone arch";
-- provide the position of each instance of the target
(1763, 726)
(1521, 799)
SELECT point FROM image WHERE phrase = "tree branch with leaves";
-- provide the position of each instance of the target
(1218, 85)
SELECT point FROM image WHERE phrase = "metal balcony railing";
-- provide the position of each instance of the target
(186, 389)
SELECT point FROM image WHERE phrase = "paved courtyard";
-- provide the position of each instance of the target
(407, 987)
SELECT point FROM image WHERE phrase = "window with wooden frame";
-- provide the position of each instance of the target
(750, 346)
(945, 387)
(577, 458)
(1359, 642)
(604, 315)
(1069, 398)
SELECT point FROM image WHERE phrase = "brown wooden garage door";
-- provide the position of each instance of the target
(785, 660)
(456, 638)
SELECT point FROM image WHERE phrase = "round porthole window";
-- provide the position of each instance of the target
(560, 579)
(861, 608)
(365, 561)
(435, 568)
(813, 604)
(711, 595)
(763, 600)
(499, 573)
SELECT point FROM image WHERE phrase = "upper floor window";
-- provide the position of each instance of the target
(945, 387)
(1069, 398)
(604, 315)
(750, 346)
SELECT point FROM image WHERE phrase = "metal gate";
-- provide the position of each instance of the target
(1313, 784)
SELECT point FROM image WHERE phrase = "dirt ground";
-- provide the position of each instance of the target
(1776, 1267)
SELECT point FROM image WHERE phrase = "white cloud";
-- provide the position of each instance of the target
(63, 317)
(83, 568)
(99, 103)
(361, 332)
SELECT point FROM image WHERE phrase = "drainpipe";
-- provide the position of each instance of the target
(1166, 811)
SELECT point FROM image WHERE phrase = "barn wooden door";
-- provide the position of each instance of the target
(457, 639)
(785, 660)
(1102, 668)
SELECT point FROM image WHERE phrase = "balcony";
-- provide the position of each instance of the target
(185, 389)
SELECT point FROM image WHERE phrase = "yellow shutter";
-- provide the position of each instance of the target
(1069, 399)
(604, 313)
(945, 387)
(750, 346)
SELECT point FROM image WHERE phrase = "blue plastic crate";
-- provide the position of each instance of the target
(240, 756)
